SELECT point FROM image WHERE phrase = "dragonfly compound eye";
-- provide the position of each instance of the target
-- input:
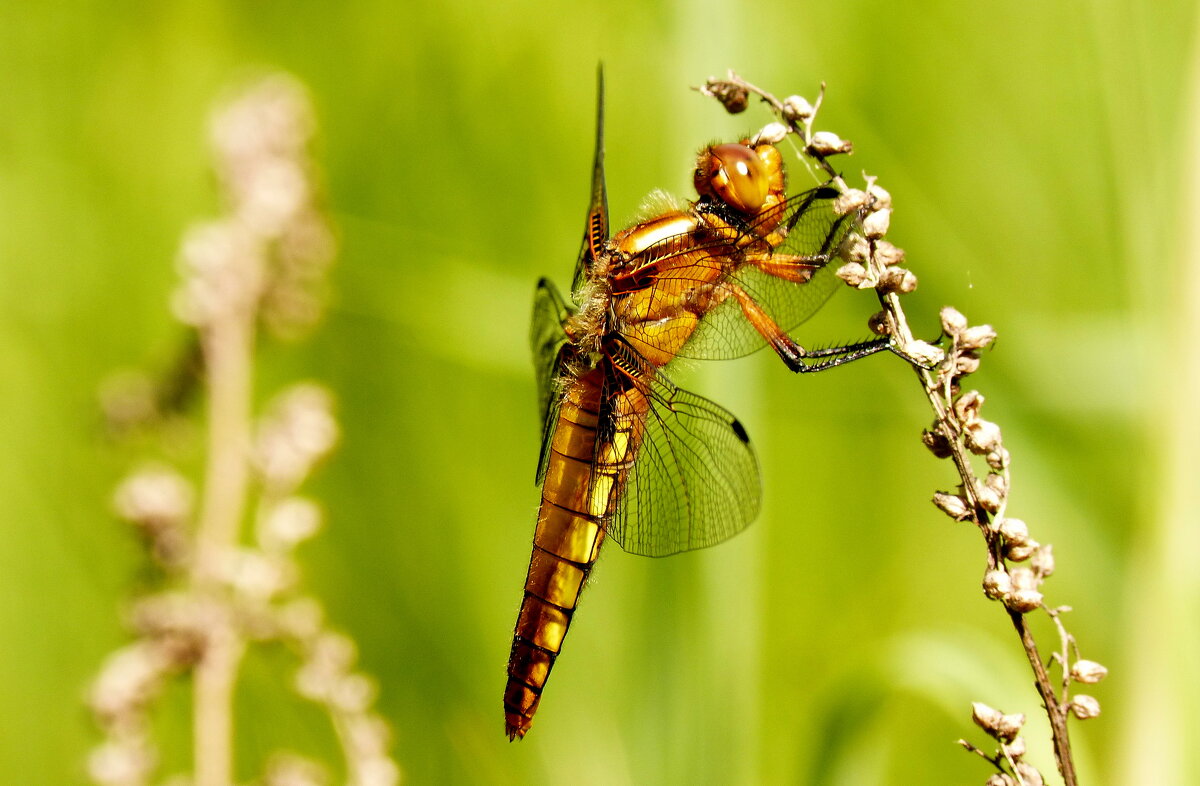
(735, 175)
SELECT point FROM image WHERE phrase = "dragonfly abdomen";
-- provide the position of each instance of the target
(566, 544)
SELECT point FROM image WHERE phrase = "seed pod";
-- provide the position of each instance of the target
(952, 505)
(826, 143)
(1014, 531)
(953, 322)
(937, 443)
(732, 96)
(1023, 601)
(977, 337)
(1088, 671)
(1042, 560)
(1084, 707)
(888, 254)
(852, 273)
(875, 225)
(797, 109)
(878, 324)
(982, 436)
(897, 279)
(1029, 774)
(850, 201)
(997, 584)
(1003, 727)
(925, 353)
(771, 134)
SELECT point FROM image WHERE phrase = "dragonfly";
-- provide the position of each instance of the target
(627, 455)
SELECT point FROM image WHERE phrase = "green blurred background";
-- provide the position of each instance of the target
(1042, 158)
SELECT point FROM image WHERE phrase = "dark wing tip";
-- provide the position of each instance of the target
(740, 431)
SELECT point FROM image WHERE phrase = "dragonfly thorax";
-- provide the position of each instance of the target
(587, 327)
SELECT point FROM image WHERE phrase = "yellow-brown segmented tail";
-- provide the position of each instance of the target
(566, 542)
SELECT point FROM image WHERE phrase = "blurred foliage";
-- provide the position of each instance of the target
(1036, 155)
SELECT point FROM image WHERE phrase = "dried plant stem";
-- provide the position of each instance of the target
(1056, 711)
(939, 397)
(958, 432)
(228, 356)
(228, 353)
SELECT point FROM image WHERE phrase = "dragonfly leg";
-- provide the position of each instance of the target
(795, 268)
(794, 356)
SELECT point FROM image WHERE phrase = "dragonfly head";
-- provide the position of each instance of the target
(735, 175)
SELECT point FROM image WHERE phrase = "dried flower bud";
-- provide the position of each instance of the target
(937, 443)
(1023, 601)
(1088, 671)
(924, 353)
(121, 762)
(997, 584)
(1016, 748)
(1084, 707)
(1003, 727)
(1042, 561)
(876, 224)
(330, 657)
(1000, 779)
(852, 273)
(797, 109)
(882, 200)
(354, 693)
(850, 201)
(985, 716)
(953, 322)
(369, 735)
(997, 483)
(897, 279)
(999, 458)
(301, 618)
(878, 324)
(378, 771)
(289, 522)
(298, 431)
(967, 406)
(1024, 578)
(952, 505)
(988, 498)
(154, 496)
(965, 364)
(288, 769)
(1015, 531)
(826, 143)
(1029, 774)
(771, 134)
(1020, 553)
(981, 436)
(977, 337)
(130, 678)
(855, 248)
(256, 575)
(888, 254)
(732, 96)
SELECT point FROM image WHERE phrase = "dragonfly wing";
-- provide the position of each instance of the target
(807, 257)
(548, 340)
(695, 481)
(595, 233)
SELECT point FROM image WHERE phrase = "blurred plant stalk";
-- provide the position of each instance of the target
(261, 265)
